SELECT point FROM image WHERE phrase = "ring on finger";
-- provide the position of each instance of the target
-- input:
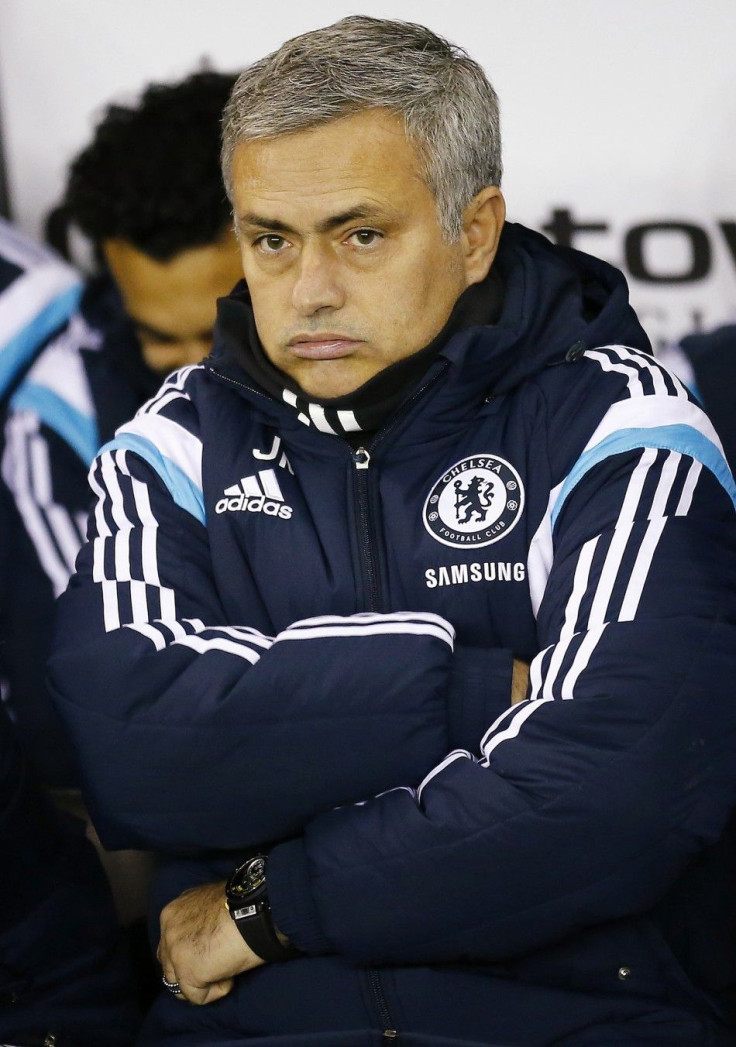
(173, 987)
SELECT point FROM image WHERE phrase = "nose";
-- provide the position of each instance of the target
(317, 284)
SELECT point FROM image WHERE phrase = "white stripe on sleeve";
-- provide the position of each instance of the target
(621, 535)
(456, 754)
(202, 645)
(688, 490)
(580, 662)
(525, 710)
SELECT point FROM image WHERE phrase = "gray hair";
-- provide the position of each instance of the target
(449, 108)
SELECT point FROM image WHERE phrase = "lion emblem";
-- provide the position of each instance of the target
(474, 500)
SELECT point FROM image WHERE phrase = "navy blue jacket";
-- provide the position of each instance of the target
(70, 374)
(706, 362)
(275, 638)
(61, 969)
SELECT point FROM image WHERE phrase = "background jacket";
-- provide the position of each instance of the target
(275, 638)
(706, 362)
(70, 374)
(61, 969)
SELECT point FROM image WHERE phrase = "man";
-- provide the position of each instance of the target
(148, 194)
(418, 449)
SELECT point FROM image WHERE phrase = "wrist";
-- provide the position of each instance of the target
(246, 899)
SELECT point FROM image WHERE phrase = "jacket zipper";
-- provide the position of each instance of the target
(241, 385)
(372, 602)
(373, 599)
(389, 1034)
(366, 537)
(361, 459)
(368, 558)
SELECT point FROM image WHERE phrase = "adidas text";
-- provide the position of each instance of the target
(258, 504)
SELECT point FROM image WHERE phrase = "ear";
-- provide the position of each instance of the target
(482, 224)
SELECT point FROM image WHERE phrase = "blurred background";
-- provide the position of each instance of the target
(619, 119)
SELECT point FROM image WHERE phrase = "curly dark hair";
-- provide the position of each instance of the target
(151, 174)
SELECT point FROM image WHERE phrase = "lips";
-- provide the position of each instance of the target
(322, 347)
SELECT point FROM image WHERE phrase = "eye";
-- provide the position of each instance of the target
(365, 237)
(271, 243)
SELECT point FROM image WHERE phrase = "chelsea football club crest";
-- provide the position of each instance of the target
(475, 503)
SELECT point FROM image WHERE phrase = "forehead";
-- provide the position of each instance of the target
(365, 158)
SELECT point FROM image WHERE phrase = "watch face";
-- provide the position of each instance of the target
(247, 878)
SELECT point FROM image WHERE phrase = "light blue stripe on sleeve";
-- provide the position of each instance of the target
(182, 489)
(77, 429)
(19, 351)
(682, 438)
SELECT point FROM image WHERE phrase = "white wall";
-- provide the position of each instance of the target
(623, 113)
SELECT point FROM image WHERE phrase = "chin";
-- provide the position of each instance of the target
(330, 392)
(328, 387)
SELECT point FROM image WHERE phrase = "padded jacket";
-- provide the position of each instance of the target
(70, 374)
(706, 362)
(274, 639)
(62, 972)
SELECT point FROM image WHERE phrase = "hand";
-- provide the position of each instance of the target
(200, 946)
(519, 682)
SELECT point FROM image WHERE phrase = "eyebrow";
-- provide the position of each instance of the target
(360, 212)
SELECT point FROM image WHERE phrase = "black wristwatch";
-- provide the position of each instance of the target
(247, 901)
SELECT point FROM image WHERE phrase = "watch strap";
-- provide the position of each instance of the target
(246, 899)
(253, 920)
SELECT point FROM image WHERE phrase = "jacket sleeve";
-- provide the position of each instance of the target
(48, 441)
(198, 733)
(583, 803)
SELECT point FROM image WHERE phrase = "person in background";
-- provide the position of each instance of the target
(147, 193)
(706, 363)
(64, 980)
(74, 365)
(427, 442)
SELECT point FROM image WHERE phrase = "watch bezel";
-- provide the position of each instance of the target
(247, 881)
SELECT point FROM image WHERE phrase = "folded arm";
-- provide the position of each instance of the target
(583, 803)
(198, 733)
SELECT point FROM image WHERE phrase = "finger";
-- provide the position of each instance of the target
(167, 969)
(199, 995)
(170, 976)
(162, 951)
(217, 990)
(195, 994)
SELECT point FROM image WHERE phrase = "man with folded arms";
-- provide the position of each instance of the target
(428, 448)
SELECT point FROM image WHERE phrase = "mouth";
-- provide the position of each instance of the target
(322, 346)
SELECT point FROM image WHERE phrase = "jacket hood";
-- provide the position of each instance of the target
(554, 298)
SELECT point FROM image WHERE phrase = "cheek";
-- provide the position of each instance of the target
(417, 301)
(264, 302)
(270, 312)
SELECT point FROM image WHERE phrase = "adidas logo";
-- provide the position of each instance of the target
(255, 494)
